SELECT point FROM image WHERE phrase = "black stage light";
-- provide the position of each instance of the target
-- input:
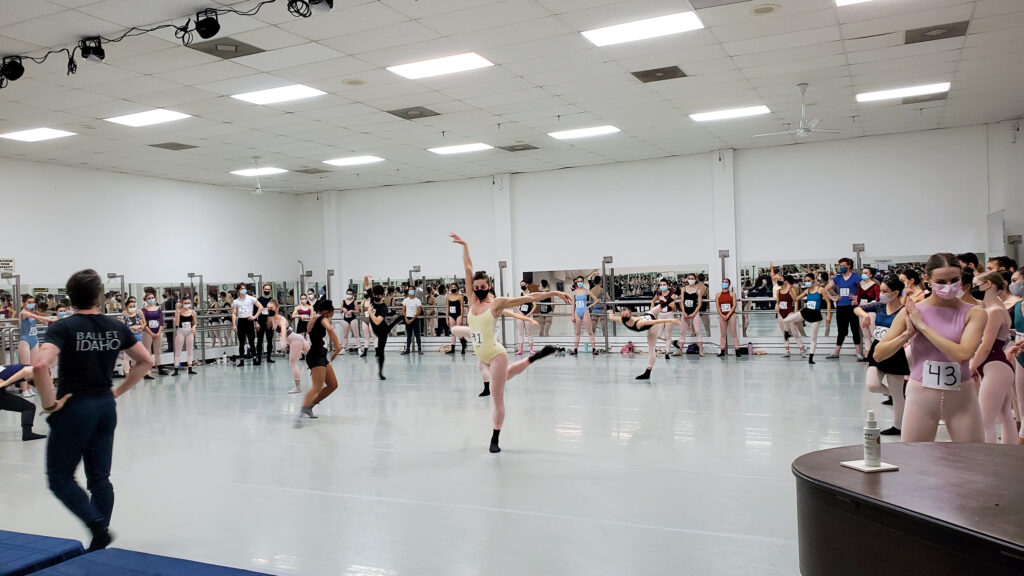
(306, 8)
(207, 24)
(321, 6)
(12, 68)
(92, 49)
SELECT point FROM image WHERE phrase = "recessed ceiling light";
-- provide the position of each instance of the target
(583, 132)
(264, 171)
(903, 92)
(730, 113)
(36, 135)
(849, 2)
(353, 161)
(643, 29)
(461, 148)
(439, 66)
(282, 94)
(148, 118)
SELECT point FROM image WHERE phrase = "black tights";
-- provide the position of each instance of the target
(261, 333)
(246, 331)
(14, 403)
(381, 331)
(846, 321)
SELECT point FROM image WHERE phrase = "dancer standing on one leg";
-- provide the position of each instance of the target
(291, 341)
(324, 380)
(814, 299)
(644, 324)
(379, 313)
(887, 377)
(484, 310)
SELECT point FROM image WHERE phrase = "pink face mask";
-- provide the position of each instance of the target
(885, 298)
(947, 291)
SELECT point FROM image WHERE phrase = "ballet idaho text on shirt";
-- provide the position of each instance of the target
(97, 341)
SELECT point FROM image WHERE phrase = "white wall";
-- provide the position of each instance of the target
(649, 213)
(1006, 174)
(900, 195)
(387, 231)
(58, 219)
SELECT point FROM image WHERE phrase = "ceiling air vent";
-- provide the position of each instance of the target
(176, 146)
(414, 113)
(659, 74)
(518, 147)
(939, 32)
(226, 48)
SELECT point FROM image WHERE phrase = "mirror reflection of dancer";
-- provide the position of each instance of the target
(324, 380)
(644, 324)
(292, 342)
(484, 310)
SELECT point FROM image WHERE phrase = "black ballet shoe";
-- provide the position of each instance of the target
(101, 538)
(494, 448)
(573, 353)
(887, 401)
(721, 354)
(544, 352)
(148, 377)
(487, 390)
(192, 372)
(668, 356)
(381, 377)
(175, 372)
(271, 360)
(810, 359)
(363, 353)
(161, 371)
(451, 350)
(27, 435)
(645, 376)
(737, 353)
(892, 431)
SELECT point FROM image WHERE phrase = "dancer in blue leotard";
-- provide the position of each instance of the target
(581, 302)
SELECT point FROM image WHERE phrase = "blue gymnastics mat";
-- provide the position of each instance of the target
(22, 554)
(114, 562)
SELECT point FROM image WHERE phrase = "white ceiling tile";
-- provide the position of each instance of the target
(271, 60)
(783, 41)
(344, 21)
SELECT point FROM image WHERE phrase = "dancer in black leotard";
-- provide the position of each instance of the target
(324, 380)
(379, 322)
(644, 324)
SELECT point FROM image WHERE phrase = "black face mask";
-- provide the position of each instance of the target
(266, 292)
(977, 293)
(481, 294)
(272, 312)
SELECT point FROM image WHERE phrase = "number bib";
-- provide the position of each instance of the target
(690, 303)
(154, 324)
(783, 305)
(879, 333)
(943, 376)
(453, 310)
(524, 308)
(580, 304)
(186, 325)
(265, 312)
(34, 331)
(726, 307)
(844, 292)
(477, 338)
(812, 305)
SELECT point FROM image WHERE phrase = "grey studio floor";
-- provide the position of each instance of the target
(600, 474)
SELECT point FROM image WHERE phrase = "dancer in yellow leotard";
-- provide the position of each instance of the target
(484, 308)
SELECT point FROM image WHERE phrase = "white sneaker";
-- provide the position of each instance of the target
(29, 394)
(295, 390)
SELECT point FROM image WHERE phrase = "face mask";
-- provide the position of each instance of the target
(243, 291)
(843, 269)
(663, 288)
(725, 286)
(808, 284)
(691, 282)
(349, 296)
(481, 294)
(30, 306)
(523, 286)
(977, 293)
(186, 306)
(61, 314)
(310, 296)
(151, 301)
(272, 313)
(1017, 289)
(885, 298)
(412, 292)
(266, 292)
(131, 309)
(579, 284)
(947, 291)
(378, 298)
(865, 277)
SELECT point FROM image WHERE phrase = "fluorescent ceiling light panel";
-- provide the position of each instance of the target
(157, 116)
(353, 161)
(36, 135)
(848, 2)
(265, 171)
(441, 66)
(904, 92)
(644, 29)
(583, 132)
(282, 94)
(731, 113)
(461, 148)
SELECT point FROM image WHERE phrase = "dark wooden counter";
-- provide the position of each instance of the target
(951, 509)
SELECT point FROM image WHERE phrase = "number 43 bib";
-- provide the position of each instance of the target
(943, 376)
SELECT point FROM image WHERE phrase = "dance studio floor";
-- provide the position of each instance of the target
(688, 473)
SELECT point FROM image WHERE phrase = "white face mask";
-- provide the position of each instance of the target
(131, 309)
(186, 306)
(691, 282)
(885, 298)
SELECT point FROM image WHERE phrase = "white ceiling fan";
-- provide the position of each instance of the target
(807, 127)
(259, 189)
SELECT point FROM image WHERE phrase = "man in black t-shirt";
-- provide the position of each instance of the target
(262, 331)
(82, 410)
(170, 305)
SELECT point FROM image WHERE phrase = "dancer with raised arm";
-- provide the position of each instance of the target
(484, 310)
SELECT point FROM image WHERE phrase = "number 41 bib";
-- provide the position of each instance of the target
(943, 376)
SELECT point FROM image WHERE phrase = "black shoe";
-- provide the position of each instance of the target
(240, 364)
(595, 353)
(256, 362)
(721, 354)
(668, 356)
(675, 344)
(893, 431)
(452, 351)
(573, 353)
(161, 371)
(175, 372)
(27, 435)
(101, 538)
(363, 353)
(148, 377)
(405, 352)
(494, 448)
(487, 390)
(192, 372)
(810, 359)
(737, 353)
(887, 401)
(381, 377)
(645, 376)
(271, 360)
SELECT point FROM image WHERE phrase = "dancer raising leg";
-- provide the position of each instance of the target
(324, 380)
(292, 342)
(484, 310)
(644, 324)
